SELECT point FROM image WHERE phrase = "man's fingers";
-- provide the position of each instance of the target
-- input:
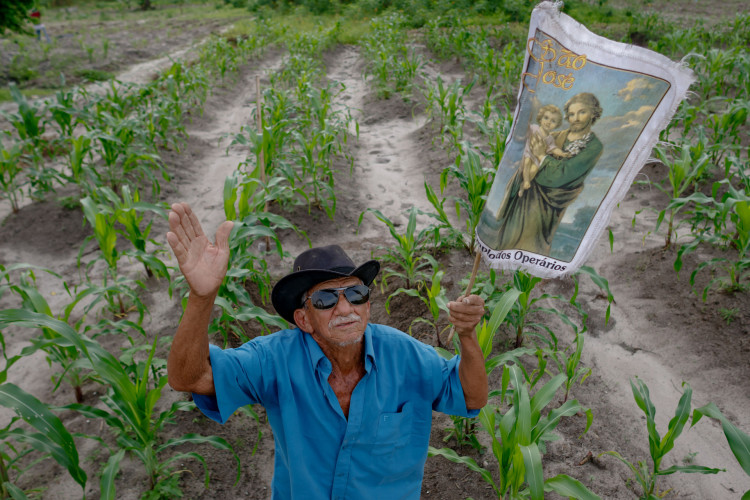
(194, 223)
(186, 221)
(177, 247)
(466, 310)
(175, 224)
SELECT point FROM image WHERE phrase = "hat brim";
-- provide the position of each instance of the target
(286, 296)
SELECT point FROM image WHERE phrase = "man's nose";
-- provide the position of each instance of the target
(343, 306)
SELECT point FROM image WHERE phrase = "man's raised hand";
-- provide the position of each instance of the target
(203, 263)
(466, 313)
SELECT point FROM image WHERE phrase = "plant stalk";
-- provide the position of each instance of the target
(477, 259)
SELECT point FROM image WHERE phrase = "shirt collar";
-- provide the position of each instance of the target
(317, 356)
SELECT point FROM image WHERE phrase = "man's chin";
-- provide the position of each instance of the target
(349, 342)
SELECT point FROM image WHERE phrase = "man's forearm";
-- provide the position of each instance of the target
(472, 373)
(188, 365)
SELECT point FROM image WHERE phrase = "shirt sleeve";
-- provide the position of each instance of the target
(450, 398)
(238, 381)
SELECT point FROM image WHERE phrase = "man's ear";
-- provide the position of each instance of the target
(300, 317)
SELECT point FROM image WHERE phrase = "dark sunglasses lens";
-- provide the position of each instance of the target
(357, 294)
(324, 299)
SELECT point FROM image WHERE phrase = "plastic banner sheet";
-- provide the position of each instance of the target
(589, 113)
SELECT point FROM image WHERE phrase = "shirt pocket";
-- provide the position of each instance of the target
(392, 428)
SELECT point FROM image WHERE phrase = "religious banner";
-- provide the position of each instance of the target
(589, 113)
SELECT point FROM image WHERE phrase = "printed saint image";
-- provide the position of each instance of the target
(577, 124)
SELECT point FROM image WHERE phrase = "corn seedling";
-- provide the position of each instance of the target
(102, 219)
(81, 164)
(66, 357)
(518, 439)
(246, 269)
(683, 173)
(647, 476)
(63, 111)
(12, 182)
(129, 405)
(409, 256)
(448, 101)
(128, 211)
(47, 436)
(721, 220)
(476, 181)
(433, 297)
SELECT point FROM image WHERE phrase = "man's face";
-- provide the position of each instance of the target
(579, 116)
(343, 324)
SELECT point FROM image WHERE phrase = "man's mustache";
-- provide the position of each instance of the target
(349, 318)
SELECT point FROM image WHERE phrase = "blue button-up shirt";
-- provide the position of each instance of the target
(379, 451)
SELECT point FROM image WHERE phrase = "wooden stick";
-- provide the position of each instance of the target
(477, 259)
(261, 159)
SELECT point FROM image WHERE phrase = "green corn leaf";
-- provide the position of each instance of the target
(699, 469)
(16, 493)
(504, 305)
(215, 441)
(549, 422)
(532, 461)
(467, 461)
(543, 396)
(642, 399)
(91, 412)
(677, 423)
(107, 482)
(739, 442)
(566, 486)
(53, 437)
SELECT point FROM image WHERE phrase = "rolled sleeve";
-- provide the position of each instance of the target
(238, 381)
(450, 398)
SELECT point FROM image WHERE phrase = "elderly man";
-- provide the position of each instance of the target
(350, 403)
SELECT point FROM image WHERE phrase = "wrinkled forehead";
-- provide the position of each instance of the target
(336, 283)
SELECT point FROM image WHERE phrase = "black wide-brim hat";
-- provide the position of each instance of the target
(316, 266)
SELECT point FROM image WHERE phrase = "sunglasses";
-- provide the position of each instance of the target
(329, 297)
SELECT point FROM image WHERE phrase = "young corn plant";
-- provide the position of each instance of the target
(518, 439)
(129, 406)
(685, 167)
(64, 112)
(81, 164)
(129, 213)
(448, 101)
(724, 223)
(476, 180)
(433, 297)
(47, 435)
(114, 287)
(67, 358)
(464, 429)
(409, 257)
(44, 434)
(12, 182)
(245, 270)
(645, 475)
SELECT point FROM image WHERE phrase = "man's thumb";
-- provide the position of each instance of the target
(222, 234)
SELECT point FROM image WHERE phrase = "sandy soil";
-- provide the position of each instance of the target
(659, 331)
